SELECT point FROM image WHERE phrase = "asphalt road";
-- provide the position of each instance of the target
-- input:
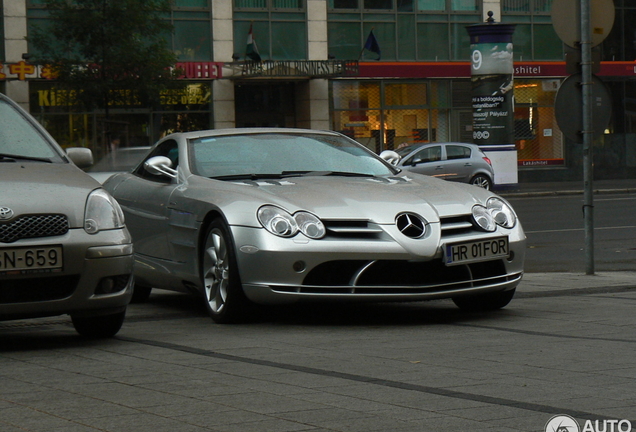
(415, 367)
(555, 229)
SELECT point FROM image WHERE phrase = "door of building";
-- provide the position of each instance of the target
(462, 126)
(265, 104)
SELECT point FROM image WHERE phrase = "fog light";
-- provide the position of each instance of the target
(299, 266)
(105, 286)
(113, 284)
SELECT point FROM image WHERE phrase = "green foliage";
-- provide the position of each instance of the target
(107, 52)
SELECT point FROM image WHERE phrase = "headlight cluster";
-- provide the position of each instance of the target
(281, 223)
(496, 212)
(102, 212)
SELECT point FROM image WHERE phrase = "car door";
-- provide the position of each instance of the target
(428, 161)
(459, 165)
(145, 199)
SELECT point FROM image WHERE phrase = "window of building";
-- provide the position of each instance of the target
(620, 44)
(538, 138)
(428, 30)
(385, 115)
(279, 28)
(534, 37)
(192, 36)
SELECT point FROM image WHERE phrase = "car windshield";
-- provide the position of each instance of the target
(20, 140)
(282, 154)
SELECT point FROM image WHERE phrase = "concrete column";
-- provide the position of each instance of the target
(223, 46)
(317, 29)
(15, 27)
(313, 103)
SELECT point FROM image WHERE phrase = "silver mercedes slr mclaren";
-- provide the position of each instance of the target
(272, 216)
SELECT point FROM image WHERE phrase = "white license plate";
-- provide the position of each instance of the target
(482, 250)
(30, 259)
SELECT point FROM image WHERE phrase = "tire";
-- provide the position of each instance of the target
(100, 326)
(485, 302)
(482, 181)
(140, 294)
(224, 297)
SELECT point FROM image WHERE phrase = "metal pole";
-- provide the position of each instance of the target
(586, 88)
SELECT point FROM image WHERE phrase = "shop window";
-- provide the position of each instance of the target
(538, 139)
(390, 118)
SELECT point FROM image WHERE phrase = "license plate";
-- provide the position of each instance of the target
(482, 250)
(31, 259)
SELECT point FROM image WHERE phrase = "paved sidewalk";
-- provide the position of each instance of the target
(566, 283)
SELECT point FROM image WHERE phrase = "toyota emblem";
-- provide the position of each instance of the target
(6, 213)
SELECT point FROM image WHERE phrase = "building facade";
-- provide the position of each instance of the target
(413, 86)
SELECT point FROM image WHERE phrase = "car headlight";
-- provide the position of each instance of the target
(102, 212)
(496, 212)
(279, 222)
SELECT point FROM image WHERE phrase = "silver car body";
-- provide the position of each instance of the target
(49, 264)
(460, 162)
(363, 255)
(120, 160)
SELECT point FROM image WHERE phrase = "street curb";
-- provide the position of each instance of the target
(566, 192)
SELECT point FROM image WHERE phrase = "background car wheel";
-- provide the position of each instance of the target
(100, 326)
(224, 296)
(485, 302)
(481, 181)
(140, 293)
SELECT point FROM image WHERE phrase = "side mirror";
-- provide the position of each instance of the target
(160, 165)
(390, 156)
(80, 156)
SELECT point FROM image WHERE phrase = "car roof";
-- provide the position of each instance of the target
(243, 131)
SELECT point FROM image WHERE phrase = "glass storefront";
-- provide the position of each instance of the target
(386, 114)
(184, 109)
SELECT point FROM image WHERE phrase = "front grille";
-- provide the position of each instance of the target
(354, 229)
(399, 277)
(454, 225)
(37, 289)
(33, 226)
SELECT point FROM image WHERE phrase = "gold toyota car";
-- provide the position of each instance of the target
(64, 248)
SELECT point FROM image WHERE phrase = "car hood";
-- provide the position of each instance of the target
(378, 199)
(32, 188)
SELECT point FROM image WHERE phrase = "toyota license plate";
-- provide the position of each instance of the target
(482, 250)
(30, 259)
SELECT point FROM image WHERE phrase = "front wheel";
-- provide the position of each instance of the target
(100, 326)
(224, 296)
(484, 302)
(482, 181)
